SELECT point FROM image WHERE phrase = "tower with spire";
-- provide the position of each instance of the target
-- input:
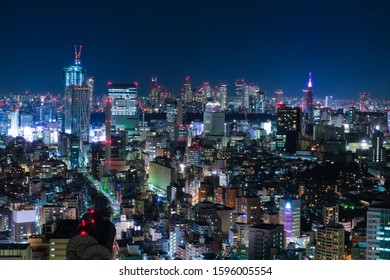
(307, 101)
(78, 91)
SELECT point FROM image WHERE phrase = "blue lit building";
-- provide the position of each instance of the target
(78, 99)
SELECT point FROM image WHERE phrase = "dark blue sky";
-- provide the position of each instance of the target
(345, 44)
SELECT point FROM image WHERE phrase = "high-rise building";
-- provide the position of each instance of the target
(330, 214)
(74, 151)
(154, 94)
(239, 94)
(186, 92)
(231, 197)
(74, 75)
(279, 97)
(388, 121)
(161, 174)
(78, 92)
(23, 225)
(221, 96)
(265, 241)
(307, 101)
(207, 92)
(80, 98)
(290, 217)
(377, 150)
(378, 232)
(288, 128)
(213, 120)
(330, 242)
(123, 105)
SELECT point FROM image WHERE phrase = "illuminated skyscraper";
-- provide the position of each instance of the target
(207, 91)
(377, 150)
(123, 104)
(186, 92)
(154, 94)
(78, 99)
(307, 102)
(213, 120)
(290, 217)
(221, 98)
(74, 75)
(239, 94)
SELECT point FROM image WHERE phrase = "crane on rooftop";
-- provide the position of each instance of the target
(77, 54)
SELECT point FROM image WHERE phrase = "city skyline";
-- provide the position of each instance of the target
(274, 45)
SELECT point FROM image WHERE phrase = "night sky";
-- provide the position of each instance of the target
(274, 44)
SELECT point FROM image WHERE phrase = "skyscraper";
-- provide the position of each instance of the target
(213, 120)
(186, 92)
(288, 128)
(74, 75)
(154, 94)
(78, 99)
(307, 101)
(221, 98)
(290, 217)
(378, 232)
(123, 105)
(377, 150)
(239, 94)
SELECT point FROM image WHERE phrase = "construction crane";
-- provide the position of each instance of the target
(77, 54)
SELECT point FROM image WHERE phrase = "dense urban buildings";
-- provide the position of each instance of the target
(210, 172)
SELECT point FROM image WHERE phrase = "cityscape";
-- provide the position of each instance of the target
(125, 169)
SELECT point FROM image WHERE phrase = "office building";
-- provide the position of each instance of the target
(330, 242)
(23, 225)
(265, 241)
(288, 128)
(161, 174)
(123, 106)
(213, 120)
(221, 96)
(377, 152)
